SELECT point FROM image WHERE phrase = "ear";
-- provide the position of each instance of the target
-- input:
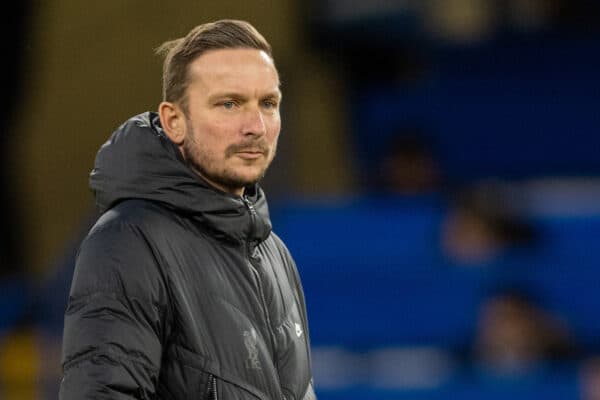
(172, 120)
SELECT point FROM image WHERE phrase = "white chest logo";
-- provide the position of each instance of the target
(298, 329)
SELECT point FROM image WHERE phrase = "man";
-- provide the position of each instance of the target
(181, 290)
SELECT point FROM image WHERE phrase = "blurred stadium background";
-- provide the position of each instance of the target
(437, 182)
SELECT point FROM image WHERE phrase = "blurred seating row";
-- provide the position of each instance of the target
(374, 272)
(391, 314)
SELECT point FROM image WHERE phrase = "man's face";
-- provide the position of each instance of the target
(233, 118)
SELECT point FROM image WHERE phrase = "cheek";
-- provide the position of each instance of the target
(273, 131)
(212, 136)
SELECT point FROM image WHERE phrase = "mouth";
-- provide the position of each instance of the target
(250, 154)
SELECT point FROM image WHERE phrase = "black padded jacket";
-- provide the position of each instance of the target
(180, 291)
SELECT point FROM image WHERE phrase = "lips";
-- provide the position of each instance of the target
(250, 153)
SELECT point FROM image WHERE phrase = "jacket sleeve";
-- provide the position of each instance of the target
(294, 277)
(114, 322)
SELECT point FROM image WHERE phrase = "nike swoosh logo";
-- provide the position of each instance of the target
(298, 329)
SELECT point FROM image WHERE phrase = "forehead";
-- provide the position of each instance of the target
(231, 68)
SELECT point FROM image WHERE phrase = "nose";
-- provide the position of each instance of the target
(254, 124)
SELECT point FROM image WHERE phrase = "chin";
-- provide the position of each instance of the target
(244, 180)
(251, 180)
(249, 175)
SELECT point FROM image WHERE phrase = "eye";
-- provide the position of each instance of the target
(229, 105)
(269, 104)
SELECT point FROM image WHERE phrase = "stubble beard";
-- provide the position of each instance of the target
(205, 164)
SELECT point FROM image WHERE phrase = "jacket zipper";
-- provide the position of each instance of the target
(260, 291)
(213, 388)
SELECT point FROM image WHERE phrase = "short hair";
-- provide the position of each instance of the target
(180, 53)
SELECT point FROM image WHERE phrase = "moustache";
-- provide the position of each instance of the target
(258, 146)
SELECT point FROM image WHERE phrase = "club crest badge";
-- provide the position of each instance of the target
(251, 341)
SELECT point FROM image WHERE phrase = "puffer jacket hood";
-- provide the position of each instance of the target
(140, 162)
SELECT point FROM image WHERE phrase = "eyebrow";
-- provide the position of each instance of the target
(276, 94)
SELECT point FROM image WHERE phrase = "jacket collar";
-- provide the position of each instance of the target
(139, 161)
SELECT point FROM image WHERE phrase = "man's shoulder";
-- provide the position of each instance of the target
(276, 241)
(131, 223)
(133, 213)
(116, 256)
